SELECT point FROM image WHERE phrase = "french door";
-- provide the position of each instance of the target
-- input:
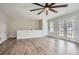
(66, 29)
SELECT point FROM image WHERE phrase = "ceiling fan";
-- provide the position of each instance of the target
(48, 7)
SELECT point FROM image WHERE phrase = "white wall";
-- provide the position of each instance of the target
(3, 28)
(75, 16)
(14, 24)
(45, 26)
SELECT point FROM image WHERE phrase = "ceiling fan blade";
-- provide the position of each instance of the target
(51, 4)
(53, 10)
(36, 9)
(40, 12)
(38, 4)
(46, 12)
(60, 6)
(46, 4)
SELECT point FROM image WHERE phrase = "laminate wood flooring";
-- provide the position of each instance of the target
(39, 46)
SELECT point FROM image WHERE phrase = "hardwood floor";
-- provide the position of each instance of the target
(39, 46)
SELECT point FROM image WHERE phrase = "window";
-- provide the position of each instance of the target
(51, 27)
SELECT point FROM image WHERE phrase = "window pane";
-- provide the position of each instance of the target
(51, 27)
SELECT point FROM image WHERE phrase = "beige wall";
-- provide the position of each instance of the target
(15, 25)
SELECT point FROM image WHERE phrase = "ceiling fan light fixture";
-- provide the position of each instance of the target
(47, 8)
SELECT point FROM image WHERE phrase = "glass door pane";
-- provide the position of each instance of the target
(70, 29)
(61, 28)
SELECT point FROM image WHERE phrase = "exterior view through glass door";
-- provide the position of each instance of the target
(61, 28)
(66, 29)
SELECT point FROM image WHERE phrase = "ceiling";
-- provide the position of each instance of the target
(22, 10)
